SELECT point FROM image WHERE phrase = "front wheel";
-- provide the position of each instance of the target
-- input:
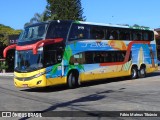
(72, 80)
(134, 73)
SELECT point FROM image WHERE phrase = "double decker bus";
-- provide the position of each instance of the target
(72, 52)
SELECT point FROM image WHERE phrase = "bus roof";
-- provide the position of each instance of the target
(48, 22)
(35, 24)
(93, 23)
(112, 25)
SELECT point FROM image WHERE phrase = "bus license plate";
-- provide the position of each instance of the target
(25, 85)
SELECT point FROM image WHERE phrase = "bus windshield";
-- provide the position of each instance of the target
(26, 61)
(36, 32)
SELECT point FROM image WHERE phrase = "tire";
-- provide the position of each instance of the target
(134, 73)
(72, 80)
(142, 72)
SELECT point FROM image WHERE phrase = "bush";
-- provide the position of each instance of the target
(3, 65)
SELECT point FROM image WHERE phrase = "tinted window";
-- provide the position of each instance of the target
(79, 31)
(124, 34)
(97, 32)
(150, 35)
(92, 57)
(112, 34)
(77, 59)
(58, 30)
(145, 36)
(108, 56)
(53, 54)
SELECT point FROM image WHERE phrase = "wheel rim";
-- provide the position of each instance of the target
(142, 71)
(71, 80)
(133, 73)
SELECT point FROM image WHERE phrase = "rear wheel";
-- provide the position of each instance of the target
(134, 73)
(142, 72)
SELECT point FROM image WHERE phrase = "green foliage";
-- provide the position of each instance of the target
(64, 10)
(59, 10)
(3, 65)
(5, 31)
(37, 18)
(136, 26)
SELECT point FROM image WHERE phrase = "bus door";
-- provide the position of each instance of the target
(54, 63)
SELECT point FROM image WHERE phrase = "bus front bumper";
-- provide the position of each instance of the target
(30, 79)
(32, 83)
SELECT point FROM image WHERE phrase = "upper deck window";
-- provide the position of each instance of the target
(89, 31)
(58, 30)
(79, 31)
(97, 32)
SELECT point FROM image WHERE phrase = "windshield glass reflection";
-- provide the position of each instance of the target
(33, 33)
(26, 61)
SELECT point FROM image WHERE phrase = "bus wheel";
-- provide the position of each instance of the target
(72, 80)
(134, 73)
(142, 72)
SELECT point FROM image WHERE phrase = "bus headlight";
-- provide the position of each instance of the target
(39, 82)
(39, 74)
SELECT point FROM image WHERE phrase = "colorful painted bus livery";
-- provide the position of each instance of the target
(72, 52)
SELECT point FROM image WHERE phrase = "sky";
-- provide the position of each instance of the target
(15, 13)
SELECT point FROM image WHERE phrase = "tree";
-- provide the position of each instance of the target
(5, 31)
(140, 27)
(59, 10)
(136, 25)
(37, 18)
(64, 10)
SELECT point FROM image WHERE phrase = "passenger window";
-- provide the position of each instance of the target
(145, 36)
(128, 36)
(89, 57)
(108, 35)
(93, 57)
(139, 36)
(79, 31)
(97, 33)
(134, 36)
(150, 36)
(112, 34)
(77, 59)
(122, 35)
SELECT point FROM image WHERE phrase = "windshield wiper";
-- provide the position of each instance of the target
(19, 70)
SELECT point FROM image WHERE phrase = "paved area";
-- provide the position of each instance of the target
(6, 74)
(113, 95)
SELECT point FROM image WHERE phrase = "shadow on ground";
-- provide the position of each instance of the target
(74, 111)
